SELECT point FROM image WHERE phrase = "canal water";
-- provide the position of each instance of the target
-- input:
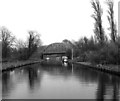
(59, 82)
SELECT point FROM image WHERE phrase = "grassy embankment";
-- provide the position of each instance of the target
(12, 64)
(16, 64)
(109, 68)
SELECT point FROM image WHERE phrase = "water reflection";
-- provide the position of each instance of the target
(108, 88)
(11, 80)
(6, 83)
(36, 79)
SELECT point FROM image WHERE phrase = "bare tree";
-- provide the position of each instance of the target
(21, 50)
(26, 49)
(7, 41)
(99, 31)
(20, 44)
(33, 42)
(111, 20)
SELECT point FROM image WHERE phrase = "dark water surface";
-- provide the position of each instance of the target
(59, 82)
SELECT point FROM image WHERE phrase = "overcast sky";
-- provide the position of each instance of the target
(55, 20)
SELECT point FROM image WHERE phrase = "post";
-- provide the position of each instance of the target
(118, 29)
(72, 53)
(119, 18)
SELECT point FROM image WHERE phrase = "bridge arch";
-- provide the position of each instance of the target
(55, 50)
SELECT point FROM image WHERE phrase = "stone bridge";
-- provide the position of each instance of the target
(55, 50)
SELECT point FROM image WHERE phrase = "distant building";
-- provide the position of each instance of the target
(55, 51)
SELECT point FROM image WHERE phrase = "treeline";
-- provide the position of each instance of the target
(13, 49)
(100, 49)
(92, 51)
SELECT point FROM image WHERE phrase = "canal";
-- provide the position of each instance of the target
(59, 82)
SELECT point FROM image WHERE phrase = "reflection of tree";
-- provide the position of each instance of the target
(34, 77)
(84, 74)
(115, 89)
(101, 87)
(5, 83)
(103, 83)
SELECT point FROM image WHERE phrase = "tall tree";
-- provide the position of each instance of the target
(111, 20)
(33, 42)
(99, 31)
(7, 41)
(22, 50)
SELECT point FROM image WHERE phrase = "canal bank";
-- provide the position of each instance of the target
(7, 66)
(13, 65)
(112, 69)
